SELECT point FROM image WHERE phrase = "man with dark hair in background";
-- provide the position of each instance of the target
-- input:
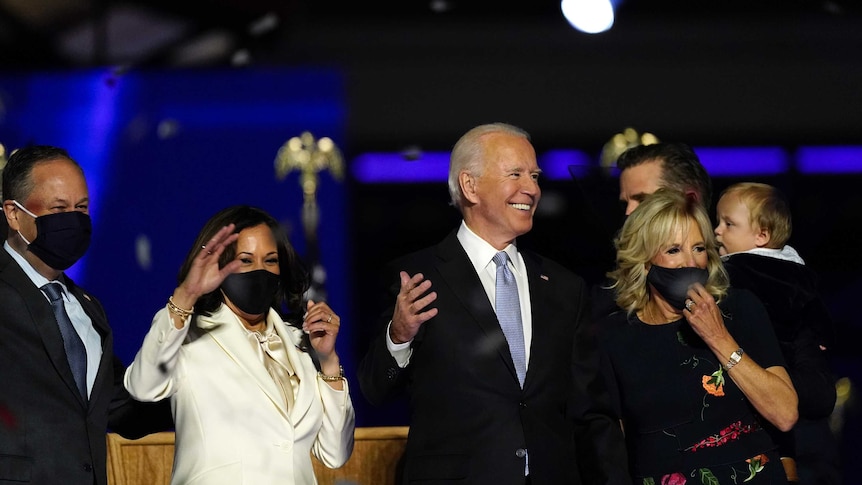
(646, 168)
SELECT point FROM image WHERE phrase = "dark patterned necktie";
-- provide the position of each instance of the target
(75, 351)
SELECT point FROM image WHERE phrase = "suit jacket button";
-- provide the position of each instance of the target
(88, 467)
(522, 405)
(520, 452)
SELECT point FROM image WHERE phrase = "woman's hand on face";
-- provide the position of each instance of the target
(204, 275)
(703, 314)
(322, 325)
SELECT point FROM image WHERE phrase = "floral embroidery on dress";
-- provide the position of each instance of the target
(728, 474)
(755, 465)
(673, 479)
(714, 383)
(705, 476)
(728, 434)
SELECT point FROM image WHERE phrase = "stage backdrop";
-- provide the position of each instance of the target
(162, 152)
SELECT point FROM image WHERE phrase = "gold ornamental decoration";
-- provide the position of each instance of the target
(309, 156)
(621, 142)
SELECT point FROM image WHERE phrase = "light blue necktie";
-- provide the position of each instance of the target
(509, 313)
(76, 354)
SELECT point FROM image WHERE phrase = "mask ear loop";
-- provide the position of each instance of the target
(34, 216)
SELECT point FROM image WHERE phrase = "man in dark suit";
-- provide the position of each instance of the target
(490, 406)
(61, 383)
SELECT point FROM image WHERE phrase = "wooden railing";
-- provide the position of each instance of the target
(148, 461)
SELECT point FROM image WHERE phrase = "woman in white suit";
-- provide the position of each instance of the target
(253, 396)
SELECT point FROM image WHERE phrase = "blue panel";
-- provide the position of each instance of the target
(743, 161)
(396, 168)
(163, 151)
(829, 159)
(565, 164)
(373, 168)
(76, 111)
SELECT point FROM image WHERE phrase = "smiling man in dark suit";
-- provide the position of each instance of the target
(61, 383)
(490, 405)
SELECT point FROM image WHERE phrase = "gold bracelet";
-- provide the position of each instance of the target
(327, 378)
(180, 312)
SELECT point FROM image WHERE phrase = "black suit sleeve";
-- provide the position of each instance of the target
(811, 374)
(599, 439)
(380, 377)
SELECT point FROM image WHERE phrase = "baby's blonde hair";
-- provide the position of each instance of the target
(767, 210)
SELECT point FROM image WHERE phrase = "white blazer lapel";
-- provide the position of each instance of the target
(226, 331)
(304, 368)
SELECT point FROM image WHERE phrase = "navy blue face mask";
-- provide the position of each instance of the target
(673, 283)
(62, 238)
(252, 292)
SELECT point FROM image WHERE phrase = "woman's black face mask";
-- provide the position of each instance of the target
(252, 292)
(673, 283)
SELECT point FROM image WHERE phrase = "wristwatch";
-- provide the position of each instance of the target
(735, 357)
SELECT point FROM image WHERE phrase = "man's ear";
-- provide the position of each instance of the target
(693, 195)
(761, 239)
(467, 182)
(10, 211)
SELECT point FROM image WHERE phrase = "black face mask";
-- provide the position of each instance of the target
(252, 292)
(673, 283)
(62, 238)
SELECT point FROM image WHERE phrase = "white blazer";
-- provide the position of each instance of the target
(232, 426)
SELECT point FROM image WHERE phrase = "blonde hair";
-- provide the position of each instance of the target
(767, 210)
(646, 232)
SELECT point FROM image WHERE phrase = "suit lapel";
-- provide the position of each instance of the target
(100, 323)
(541, 318)
(304, 396)
(457, 270)
(227, 333)
(39, 310)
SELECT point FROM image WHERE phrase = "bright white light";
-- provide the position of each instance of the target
(589, 16)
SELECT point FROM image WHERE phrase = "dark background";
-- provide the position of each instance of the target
(240, 76)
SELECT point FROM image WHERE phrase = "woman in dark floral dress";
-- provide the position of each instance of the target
(694, 367)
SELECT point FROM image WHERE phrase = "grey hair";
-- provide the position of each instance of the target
(467, 155)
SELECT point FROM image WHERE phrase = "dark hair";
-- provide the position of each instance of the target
(294, 276)
(681, 168)
(17, 180)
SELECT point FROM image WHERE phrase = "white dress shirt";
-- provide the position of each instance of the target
(80, 320)
(481, 254)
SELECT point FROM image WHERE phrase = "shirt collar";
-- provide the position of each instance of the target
(480, 251)
(29, 270)
(787, 253)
